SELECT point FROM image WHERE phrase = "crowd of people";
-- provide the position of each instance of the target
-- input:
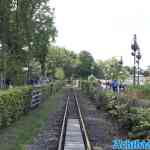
(113, 85)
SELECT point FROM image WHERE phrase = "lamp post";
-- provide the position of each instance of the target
(134, 47)
(138, 56)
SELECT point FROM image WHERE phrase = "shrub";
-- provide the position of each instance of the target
(89, 87)
(136, 119)
(139, 92)
(140, 122)
(16, 102)
(13, 103)
(59, 73)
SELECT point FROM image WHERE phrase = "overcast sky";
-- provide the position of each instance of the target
(104, 27)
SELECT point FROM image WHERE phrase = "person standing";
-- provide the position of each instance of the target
(115, 85)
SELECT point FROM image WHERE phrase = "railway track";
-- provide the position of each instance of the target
(73, 132)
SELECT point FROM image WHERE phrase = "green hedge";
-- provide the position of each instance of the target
(16, 101)
(13, 103)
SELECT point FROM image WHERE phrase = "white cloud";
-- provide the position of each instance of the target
(104, 27)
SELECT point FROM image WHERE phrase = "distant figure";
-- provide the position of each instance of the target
(115, 85)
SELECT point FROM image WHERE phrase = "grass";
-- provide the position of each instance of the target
(139, 92)
(22, 132)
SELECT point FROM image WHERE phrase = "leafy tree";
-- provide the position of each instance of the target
(26, 30)
(59, 74)
(85, 67)
(44, 31)
(11, 37)
(113, 69)
(61, 58)
(100, 69)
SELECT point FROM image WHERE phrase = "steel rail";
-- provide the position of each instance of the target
(63, 129)
(82, 126)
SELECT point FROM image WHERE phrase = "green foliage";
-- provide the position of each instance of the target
(140, 122)
(44, 32)
(74, 66)
(136, 120)
(61, 58)
(142, 91)
(85, 67)
(27, 127)
(51, 88)
(16, 101)
(89, 87)
(141, 88)
(116, 106)
(113, 69)
(26, 30)
(59, 74)
(141, 119)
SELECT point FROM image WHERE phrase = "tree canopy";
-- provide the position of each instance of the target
(26, 31)
(113, 69)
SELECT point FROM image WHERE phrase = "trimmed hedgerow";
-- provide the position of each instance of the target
(16, 102)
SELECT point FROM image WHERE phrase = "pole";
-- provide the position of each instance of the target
(138, 73)
(135, 47)
(134, 73)
(138, 62)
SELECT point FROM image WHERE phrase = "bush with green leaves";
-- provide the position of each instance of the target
(141, 91)
(135, 119)
(116, 106)
(140, 118)
(57, 85)
(125, 111)
(59, 73)
(16, 102)
(89, 87)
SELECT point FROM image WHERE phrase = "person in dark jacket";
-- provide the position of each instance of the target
(115, 85)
